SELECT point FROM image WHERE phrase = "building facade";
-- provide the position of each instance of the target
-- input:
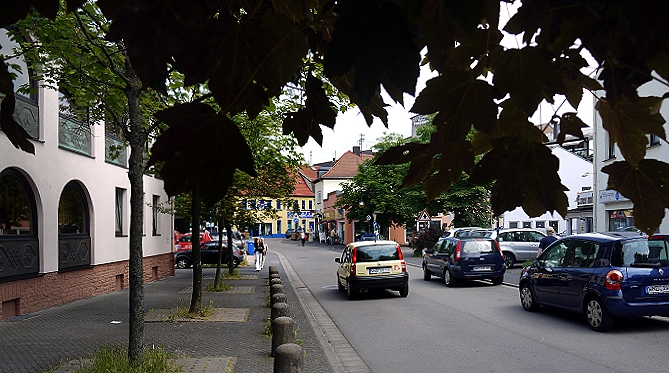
(65, 211)
(614, 211)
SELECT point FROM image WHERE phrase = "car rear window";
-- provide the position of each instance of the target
(377, 252)
(478, 247)
(633, 253)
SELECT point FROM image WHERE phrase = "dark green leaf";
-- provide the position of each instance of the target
(570, 124)
(16, 134)
(318, 105)
(646, 184)
(628, 124)
(529, 75)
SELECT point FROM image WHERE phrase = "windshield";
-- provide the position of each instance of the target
(376, 253)
(636, 253)
(478, 247)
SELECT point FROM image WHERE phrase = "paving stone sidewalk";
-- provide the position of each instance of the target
(232, 340)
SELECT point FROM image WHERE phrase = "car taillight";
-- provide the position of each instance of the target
(613, 279)
(354, 259)
(404, 266)
(499, 249)
(457, 251)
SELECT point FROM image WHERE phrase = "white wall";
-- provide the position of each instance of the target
(575, 172)
(51, 168)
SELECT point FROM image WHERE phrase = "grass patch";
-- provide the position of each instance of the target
(181, 312)
(268, 328)
(115, 359)
(222, 286)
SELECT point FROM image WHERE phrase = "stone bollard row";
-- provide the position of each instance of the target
(288, 356)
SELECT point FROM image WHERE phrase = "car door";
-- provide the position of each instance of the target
(432, 259)
(529, 244)
(442, 255)
(344, 265)
(579, 267)
(546, 275)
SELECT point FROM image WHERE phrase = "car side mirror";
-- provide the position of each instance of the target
(338, 260)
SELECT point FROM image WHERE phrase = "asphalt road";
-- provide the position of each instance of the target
(477, 327)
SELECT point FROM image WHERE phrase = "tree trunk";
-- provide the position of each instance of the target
(137, 137)
(228, 229)
(220, 254)
(196, 257)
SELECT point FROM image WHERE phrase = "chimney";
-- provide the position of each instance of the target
(356, 150)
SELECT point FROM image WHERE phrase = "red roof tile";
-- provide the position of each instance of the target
(347, 165)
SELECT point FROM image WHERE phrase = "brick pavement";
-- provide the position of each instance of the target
(45, 339)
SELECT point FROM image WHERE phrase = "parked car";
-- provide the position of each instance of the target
(186, 240)
(464, 258)
(518, 244)
(602, 275)
(237, 239)
(209, 255)
(289, 234)
(369, 265)
(368, 237)
(464, 231)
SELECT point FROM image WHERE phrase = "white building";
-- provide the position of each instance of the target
(613, 211)
(576, 174)
(64, 211)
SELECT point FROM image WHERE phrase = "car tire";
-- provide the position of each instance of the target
(404, 292)
(182, 262)
(235, 262)
(340, 287)
(449, 280)
(598, 316)
(352, 294)
(509, 259)
(426, 274)
(497, 280)
(527, 299)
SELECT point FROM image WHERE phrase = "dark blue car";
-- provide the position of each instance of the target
(464, 258)
(603, 275)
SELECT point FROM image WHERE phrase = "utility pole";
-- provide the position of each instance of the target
(362, 139)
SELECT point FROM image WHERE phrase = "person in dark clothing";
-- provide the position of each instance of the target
(547, 240)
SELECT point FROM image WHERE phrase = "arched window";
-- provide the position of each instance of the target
(19, 247)
(74, 240)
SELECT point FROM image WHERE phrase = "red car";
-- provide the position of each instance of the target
(185, 241)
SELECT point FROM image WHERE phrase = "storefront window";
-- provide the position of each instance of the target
(621, 220)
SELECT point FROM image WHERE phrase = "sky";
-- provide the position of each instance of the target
(351, 125)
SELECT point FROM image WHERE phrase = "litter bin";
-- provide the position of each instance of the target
(250, 249)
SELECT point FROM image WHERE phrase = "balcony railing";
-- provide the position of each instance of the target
(115, 151)
(74, 135)
(26, 114)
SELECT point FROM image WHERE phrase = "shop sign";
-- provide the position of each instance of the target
(606, 196)
(329, 215)
(302, 215)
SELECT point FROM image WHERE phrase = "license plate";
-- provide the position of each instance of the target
(657, 289)
(486, 268)
(375, 271)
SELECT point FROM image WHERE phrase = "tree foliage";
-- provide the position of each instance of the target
(247, 51)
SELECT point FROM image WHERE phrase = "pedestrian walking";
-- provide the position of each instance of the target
(303, 237)
(259, 253)
(547, 240)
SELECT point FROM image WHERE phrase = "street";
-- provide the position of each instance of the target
(476, 327)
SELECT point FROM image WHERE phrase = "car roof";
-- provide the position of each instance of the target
(372, 243)
(607, 236)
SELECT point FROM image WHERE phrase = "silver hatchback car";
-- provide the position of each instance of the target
(518, 244)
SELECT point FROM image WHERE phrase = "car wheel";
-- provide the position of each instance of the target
(497, 280)
(599, 318)
(235, 262)
(404, 291)
(340, 287)
(449, 280)
(352, 294)
(527, 299)
(183, 262)
(509, 260)
(426, 274)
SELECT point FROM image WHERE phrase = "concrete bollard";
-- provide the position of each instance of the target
(288, 358)
(279, 310)
(275, 289)
(273, 269)
(283, 331)
(275, 281)
(278, 298)
(274, 275)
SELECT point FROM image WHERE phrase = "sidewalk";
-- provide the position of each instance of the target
(233, 340)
